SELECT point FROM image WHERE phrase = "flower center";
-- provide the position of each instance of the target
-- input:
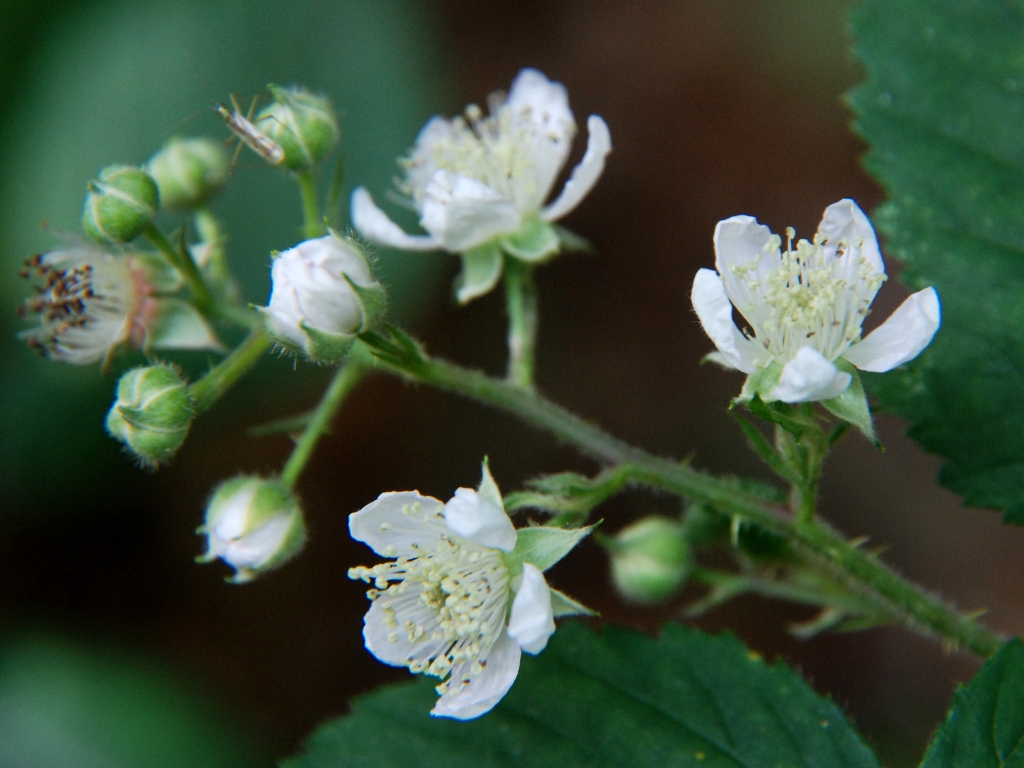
(817, 296)
(451, 601)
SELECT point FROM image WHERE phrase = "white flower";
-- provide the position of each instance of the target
(323, 296)
(805, 306)
(466, 594)
(477, 178)
(90, 303)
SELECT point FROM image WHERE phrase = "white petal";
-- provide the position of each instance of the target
(585, 175)
(460, 212)
(740, 240)
(900, 338)
(395, 522)
(715, 312)
(481, 693)
(475, 518)
(532, 621)
(385, 633)
(809, 376)
(375, 226)
(846, 221)
(421, 165)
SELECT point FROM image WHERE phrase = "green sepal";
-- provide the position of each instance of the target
(488, 488)
(761, 383)
(160, 274)
(481, 270)
(542, 546)
(783, 414)
(852, 404)
(563, 605)
(373, 299)
(326, 347)
(759, 443)
(533, 242)
(570, 242)
(179, 325)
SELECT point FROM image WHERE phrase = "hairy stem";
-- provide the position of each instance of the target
(521, 302)
(314, 225)
(344, 381)
(222, 376)
(824, 548)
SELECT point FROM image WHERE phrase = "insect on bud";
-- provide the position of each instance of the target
(188, 171)
(152, 413)
(120, 203)
(302, 124)
(650, 559)
(254, 525)
(323, 296)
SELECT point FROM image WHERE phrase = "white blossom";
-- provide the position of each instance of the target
(805, 305)
(475, 178)
(460, 601)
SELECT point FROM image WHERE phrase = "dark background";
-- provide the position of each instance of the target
(715, 108)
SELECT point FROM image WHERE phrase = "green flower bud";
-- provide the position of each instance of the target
(152, 413)
(254, 525)
(302, 124)
(188, 171)
(120, 203)
(650, 559)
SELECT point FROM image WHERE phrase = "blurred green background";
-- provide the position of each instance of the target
(115, 649)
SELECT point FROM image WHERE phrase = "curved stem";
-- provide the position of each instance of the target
(344, 381)
(860, 571)
(222, 376)
(314, 225)
(183, 262)
(521, 302)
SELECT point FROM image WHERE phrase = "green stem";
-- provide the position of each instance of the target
(344, 381)
(314, 225)
(222, 376)
(521, 301)
(856, 569)
(184, 263)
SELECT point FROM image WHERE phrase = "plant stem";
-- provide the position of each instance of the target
(521, 301)
(222, 376)
(314, 225)
(184, 263)
(850, 566)
(344, 381)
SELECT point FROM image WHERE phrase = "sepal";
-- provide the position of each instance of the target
(852, 404)
(176, 324)
(119, 204)
(152, 413)
(533, 242)
(542, 546)
(481, 270)
(303, 124)
(760, 383)
(563, 605)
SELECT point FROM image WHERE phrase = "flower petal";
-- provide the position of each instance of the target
(466, 700)
(846, 221)
(475, 518)
(715, 313)
(900, 338)
(374, 225)
(421, 164)
(585, 175)
(740, 242)
(460, 212)
(532, 621)
(398, 524)
(809, 376)
(385, 633)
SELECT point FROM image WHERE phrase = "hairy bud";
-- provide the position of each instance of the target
(650, 559)
(152, 413)
(254, 525)
(119, 204)
(188, 171)
(302, 124)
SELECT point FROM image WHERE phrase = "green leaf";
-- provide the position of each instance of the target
(985, 726)
(481, 270)
(852, 405)
(943, 111)
(617, 698)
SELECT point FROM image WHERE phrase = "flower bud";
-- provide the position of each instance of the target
(254, 525)
(120, 203)
(323, 296)
(152, 413)
(650, 559)
(302, 124)
(188, 171)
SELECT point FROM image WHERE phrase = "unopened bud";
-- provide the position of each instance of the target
(650, 559)
(323, 296)
(302, 124)
(254, 525)
(152, 413)
(188, 171)
(120, 203)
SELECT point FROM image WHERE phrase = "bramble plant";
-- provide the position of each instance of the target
(462, 592)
